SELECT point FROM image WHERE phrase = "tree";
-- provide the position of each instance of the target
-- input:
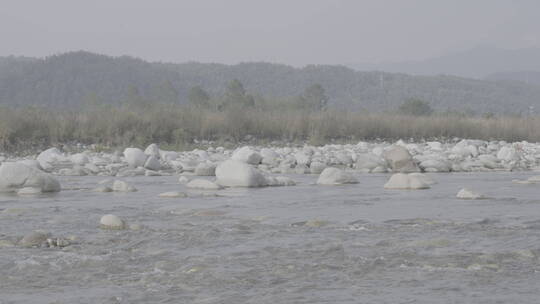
(167, 93)
(415, 107)
(198, 97)
(237, 95)
(314, 98)
(134, 97)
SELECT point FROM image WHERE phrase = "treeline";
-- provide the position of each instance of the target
(75, 79)
(182, 126)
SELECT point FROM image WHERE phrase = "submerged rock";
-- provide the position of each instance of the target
(172, 194)
(111, 221)
(423, 177)
(183, 180)
(469, 194)
(335, 176)
(34, 239)
(29, 191)
(121, 186)
(103, 189)
(405, 182)
(279, 181)
(203, 184)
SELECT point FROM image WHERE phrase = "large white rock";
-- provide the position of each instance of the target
(111, 221)
(49, 158)
(121, 186)
(135, 157)
(335, 176)
(234, 173)
(203, 184)
(152, 163)
(14, 176)
(152, 150)
(247, 155)
(469, 194)
(400, 160)
(405, 182)
(507, 154)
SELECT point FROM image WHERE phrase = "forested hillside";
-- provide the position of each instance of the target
(79, 78)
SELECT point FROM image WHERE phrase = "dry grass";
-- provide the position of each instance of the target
(178, 125)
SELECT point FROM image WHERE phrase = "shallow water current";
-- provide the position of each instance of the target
(302, 244)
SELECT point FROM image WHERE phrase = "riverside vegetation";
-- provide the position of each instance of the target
(178, 126)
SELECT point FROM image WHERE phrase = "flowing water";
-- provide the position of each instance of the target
(302, 244)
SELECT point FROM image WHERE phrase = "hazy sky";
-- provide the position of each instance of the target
(287, 31)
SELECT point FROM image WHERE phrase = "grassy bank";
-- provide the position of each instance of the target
(179, 125)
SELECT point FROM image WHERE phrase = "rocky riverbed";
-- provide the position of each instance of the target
(365, 223)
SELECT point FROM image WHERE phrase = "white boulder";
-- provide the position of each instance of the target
(152, 163)
(335, 176)
(111, 221)
(14, 176)
(152, 150)
(405, 182)
(49, 158)
(121, 186)
(234, 173)
(400, 160)
(135, 157)
(247, 155)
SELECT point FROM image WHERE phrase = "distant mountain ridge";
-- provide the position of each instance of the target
(474, 63)
(71, 79)
(528, 77)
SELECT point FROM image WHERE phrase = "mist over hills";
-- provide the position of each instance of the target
(477, 62)
(528, 77)
(73, 79)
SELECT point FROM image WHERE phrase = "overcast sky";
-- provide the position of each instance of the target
(294, 32)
